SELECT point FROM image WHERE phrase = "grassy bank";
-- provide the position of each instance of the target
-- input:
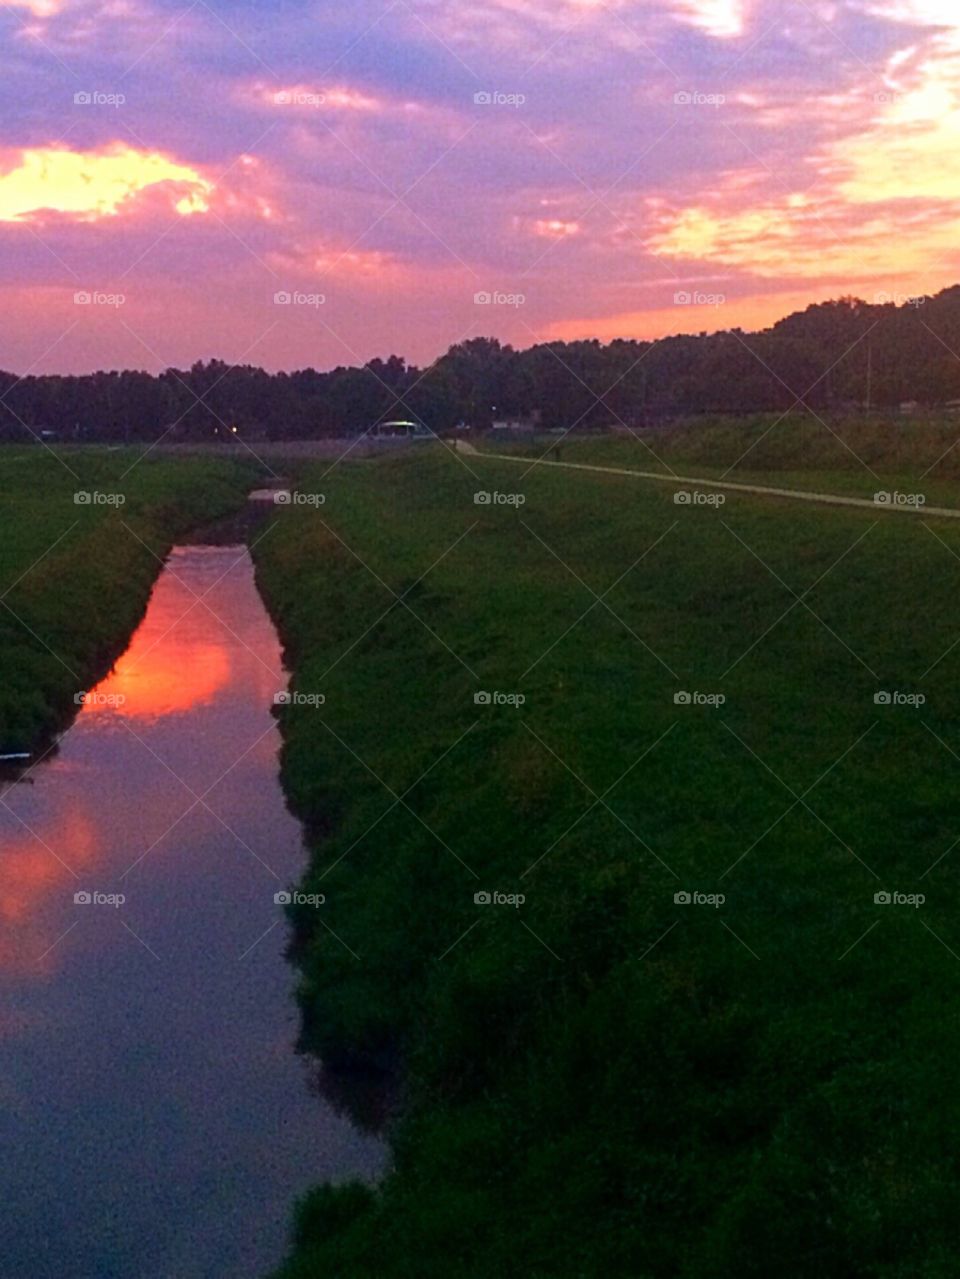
(75, 576)
(603, 1080)
(856, 456)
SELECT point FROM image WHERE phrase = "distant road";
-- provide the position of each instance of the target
(800, 495)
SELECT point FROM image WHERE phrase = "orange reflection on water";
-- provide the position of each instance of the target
(101, 801)
(37, 863)
(179, 658)
(177, 676)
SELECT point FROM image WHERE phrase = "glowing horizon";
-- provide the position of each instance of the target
(599, 160)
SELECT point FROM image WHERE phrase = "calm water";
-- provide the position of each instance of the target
(155, 1122)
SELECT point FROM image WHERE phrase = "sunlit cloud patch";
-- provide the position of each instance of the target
(90, 186)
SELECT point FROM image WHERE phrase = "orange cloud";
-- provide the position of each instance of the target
(90, 185)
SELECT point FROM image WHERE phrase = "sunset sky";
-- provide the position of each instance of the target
(584, 162)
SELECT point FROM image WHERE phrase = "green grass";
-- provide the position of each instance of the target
(74, 579)
(851, 456)
(603, 1082)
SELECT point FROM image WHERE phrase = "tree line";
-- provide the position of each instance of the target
(840, 354)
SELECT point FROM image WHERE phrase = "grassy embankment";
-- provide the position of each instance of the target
(74, 581)
(851, 456)
(601, 1081)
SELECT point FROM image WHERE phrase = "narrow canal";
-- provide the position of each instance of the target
(155, 1121)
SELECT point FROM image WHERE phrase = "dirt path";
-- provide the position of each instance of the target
(800, 495)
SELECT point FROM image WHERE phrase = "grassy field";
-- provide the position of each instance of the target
(606, 1079)
(75, 575)
(852, 456)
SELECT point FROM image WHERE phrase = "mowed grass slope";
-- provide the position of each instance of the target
(603, 1081)
(74, 578)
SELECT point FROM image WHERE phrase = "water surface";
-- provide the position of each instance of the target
(155, 1122)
